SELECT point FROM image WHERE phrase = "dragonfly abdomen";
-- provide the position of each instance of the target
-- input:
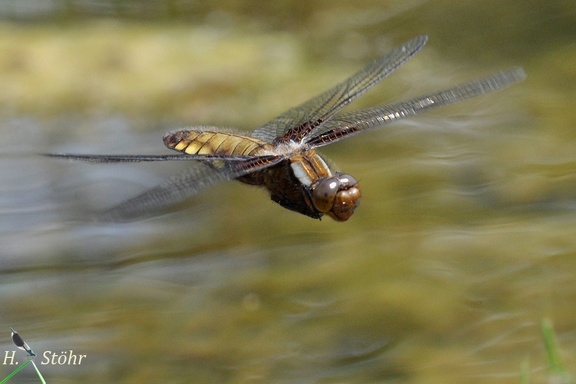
(215, 143)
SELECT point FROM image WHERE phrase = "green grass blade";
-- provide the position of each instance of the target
(14, 372)
(39, 374)
(555, 366)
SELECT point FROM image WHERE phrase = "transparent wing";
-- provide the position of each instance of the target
(206, 171)
(348, 124)
(298, 122)
(143, 158)
(201, 175)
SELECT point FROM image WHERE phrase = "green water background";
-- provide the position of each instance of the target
(464, 241)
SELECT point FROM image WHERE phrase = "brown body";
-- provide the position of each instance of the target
(215, 143)
(291, 182)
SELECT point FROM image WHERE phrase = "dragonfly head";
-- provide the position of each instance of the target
(337, 196)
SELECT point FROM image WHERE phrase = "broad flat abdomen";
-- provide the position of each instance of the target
(214, 143)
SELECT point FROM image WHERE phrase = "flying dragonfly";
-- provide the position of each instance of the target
(281, 154)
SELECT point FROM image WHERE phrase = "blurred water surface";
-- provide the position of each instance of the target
(464, 241)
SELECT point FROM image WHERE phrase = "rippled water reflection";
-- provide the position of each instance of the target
(462, 244)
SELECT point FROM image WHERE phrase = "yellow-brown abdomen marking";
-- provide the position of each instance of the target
(214, 143)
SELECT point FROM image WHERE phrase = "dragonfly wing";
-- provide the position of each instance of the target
(143, 158)
(208, 172)
(298, 122)
(349, 124)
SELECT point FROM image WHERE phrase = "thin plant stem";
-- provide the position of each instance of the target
(38, 372)
(15, 372)
(555, 366)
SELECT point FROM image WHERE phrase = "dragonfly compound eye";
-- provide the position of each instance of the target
(337, 196)
(324, 193)
(347, 199)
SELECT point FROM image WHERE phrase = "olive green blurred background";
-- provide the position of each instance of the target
(464, 241)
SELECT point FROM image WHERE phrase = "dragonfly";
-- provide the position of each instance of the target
(281, 155)
(20, 343)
